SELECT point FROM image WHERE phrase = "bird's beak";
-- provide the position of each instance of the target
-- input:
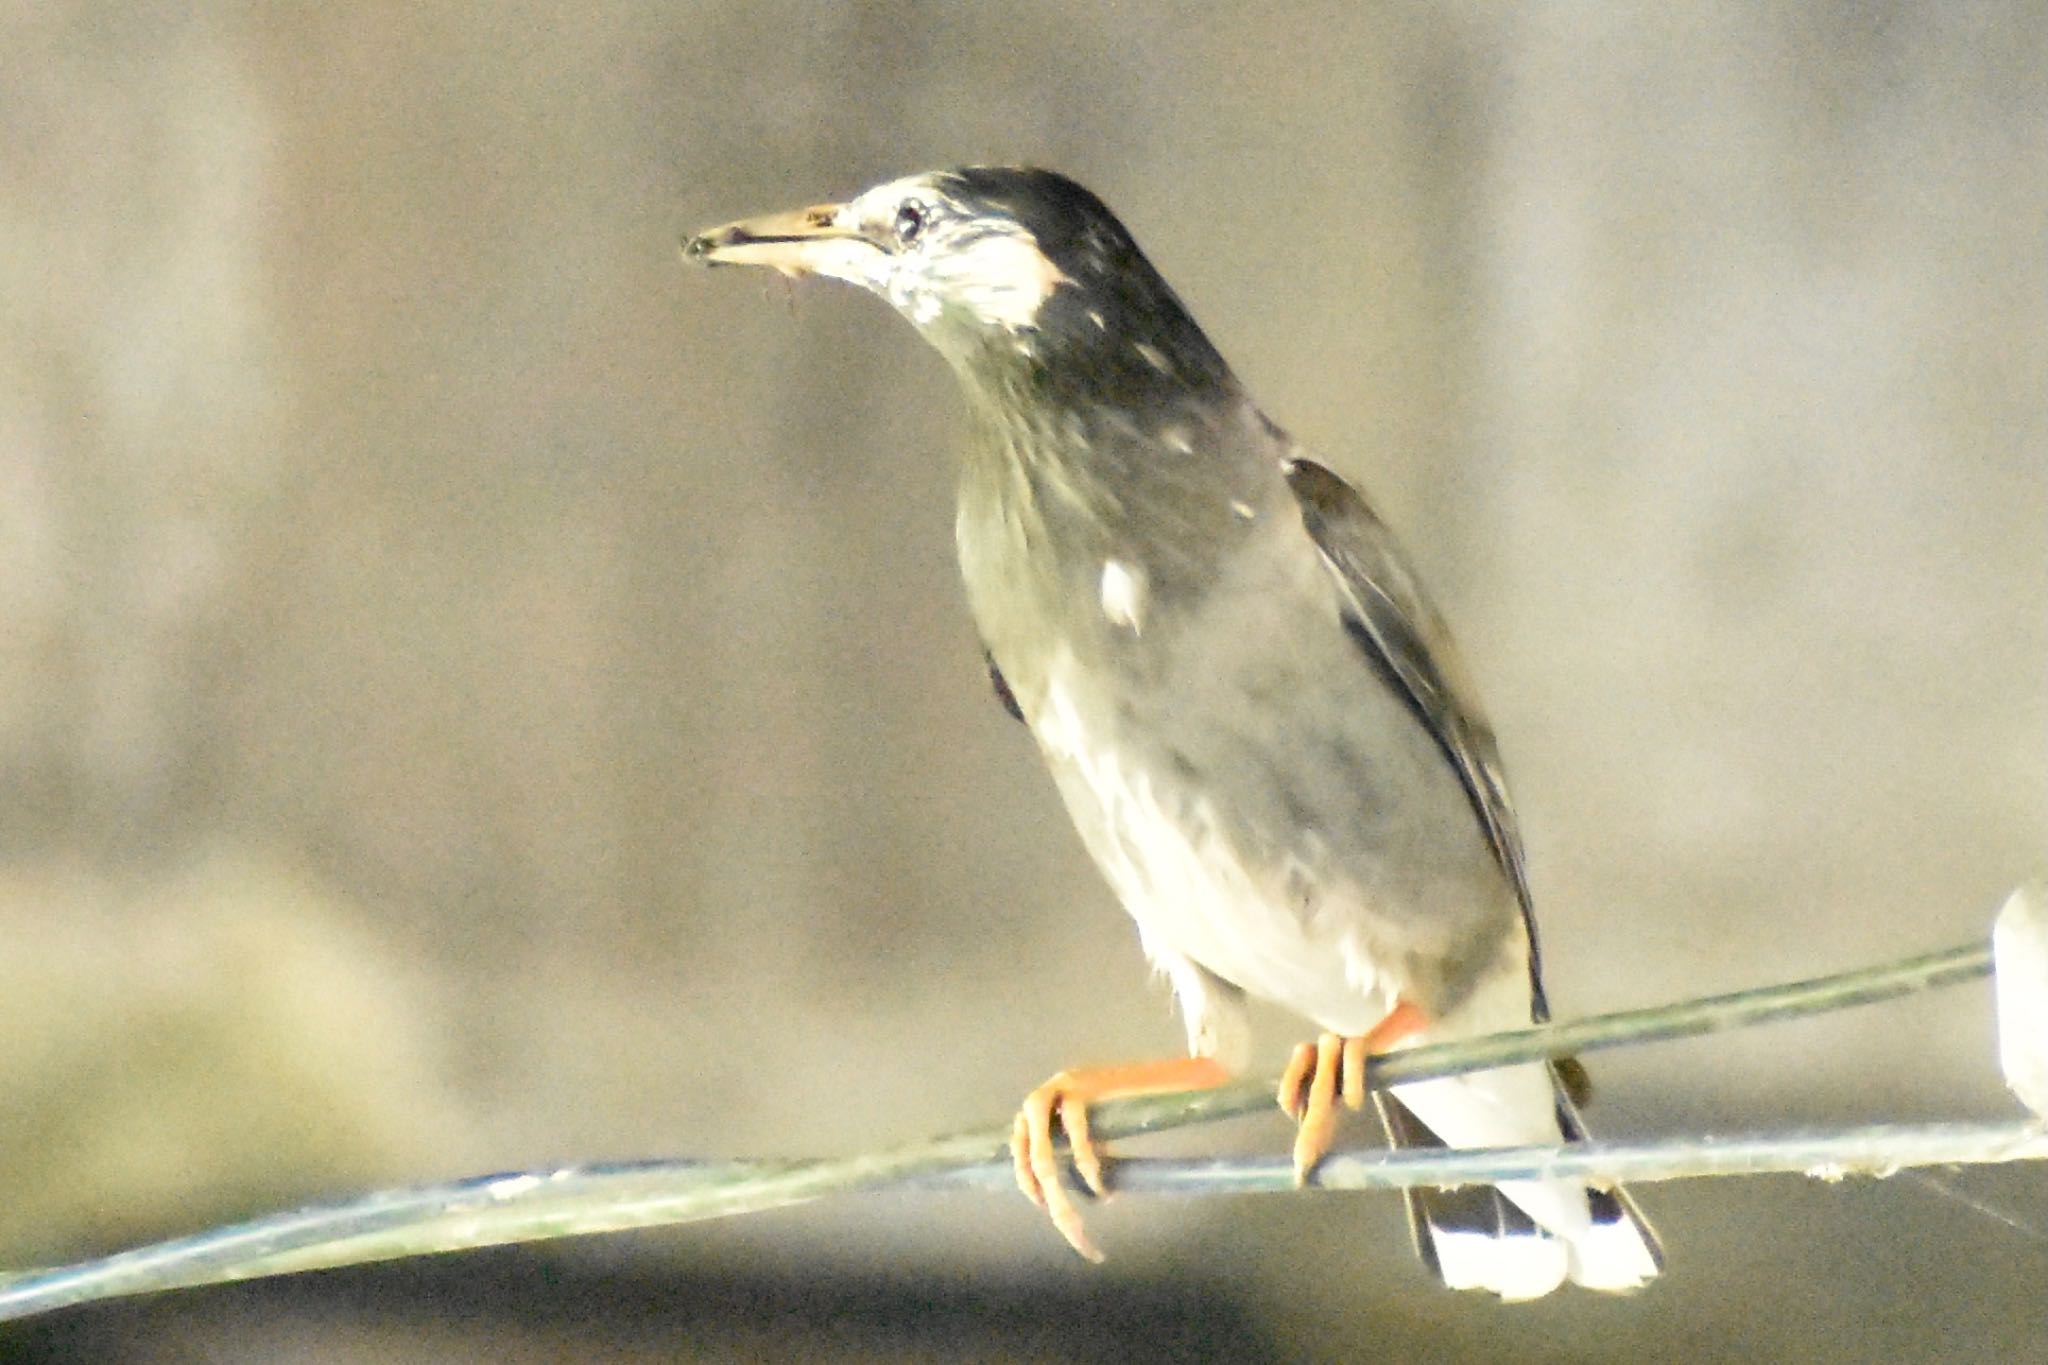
(811, 241)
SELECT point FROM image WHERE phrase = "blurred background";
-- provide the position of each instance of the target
(473, 695)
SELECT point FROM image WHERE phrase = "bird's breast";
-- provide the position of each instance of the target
(1262, 802)
(1265, 806)
(1202, 883)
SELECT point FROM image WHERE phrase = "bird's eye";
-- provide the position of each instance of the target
(910, 222)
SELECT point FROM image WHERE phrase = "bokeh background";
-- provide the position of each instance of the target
(474, 695)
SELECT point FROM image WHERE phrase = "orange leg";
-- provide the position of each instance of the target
(1066, 1098)
(1332, 1066)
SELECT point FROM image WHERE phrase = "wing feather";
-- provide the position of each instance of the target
(1405, 640)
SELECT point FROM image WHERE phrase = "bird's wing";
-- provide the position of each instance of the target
(1408, 645)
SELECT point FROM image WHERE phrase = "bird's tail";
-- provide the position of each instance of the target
(1525, 1238)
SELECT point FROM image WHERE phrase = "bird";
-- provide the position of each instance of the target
(1254, 715)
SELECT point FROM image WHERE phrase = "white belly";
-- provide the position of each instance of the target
(1264, 927)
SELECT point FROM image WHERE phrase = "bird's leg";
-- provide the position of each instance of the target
(1332, 1066)
(1065, 1098)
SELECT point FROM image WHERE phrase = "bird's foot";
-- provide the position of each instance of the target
(1065, 1099)
(1330, 1068)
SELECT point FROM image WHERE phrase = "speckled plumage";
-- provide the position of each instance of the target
(1254, 716)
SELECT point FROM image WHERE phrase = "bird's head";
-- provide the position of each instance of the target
(991, 260)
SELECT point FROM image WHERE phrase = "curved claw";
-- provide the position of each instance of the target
(1063, 1101)
(1332, 1067)
(1318, 1118)
(1034, 1153)
(1301, 1064)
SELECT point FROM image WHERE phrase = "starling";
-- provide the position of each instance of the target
(1255, 717)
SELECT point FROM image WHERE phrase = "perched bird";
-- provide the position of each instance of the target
(1255, 717)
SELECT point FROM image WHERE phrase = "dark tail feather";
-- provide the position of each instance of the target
(1611, 1208)
(1475, 1237)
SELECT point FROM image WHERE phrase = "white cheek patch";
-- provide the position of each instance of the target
(1000, 277)
(919, 302)
(994, 273)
